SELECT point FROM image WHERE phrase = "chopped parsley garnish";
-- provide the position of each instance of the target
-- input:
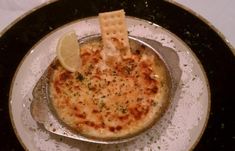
(122, 109)
(89, 86)
(101, 104)
(80, 77)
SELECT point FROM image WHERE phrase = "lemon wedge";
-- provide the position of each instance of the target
(68, 52)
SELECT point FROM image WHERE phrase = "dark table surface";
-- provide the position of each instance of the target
(214, 54)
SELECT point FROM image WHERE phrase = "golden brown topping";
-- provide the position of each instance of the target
(110, 100)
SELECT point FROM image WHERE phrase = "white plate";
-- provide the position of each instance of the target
(179, 129)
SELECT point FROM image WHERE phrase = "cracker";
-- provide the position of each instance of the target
(114, 29)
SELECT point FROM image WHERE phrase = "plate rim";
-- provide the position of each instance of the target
(207, 22)
(93, 17)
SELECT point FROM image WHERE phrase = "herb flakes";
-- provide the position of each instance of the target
(80, 77)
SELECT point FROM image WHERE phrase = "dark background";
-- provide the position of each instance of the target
(215, 56)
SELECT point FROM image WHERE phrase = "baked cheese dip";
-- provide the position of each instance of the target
(111, 87)
(110, 96)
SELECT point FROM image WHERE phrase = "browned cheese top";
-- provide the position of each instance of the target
(110, 99)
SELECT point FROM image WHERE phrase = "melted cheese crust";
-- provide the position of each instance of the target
(113, 99)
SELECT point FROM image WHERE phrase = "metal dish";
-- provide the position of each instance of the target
(43, 113)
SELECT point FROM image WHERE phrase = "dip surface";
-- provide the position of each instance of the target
(110, 98)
